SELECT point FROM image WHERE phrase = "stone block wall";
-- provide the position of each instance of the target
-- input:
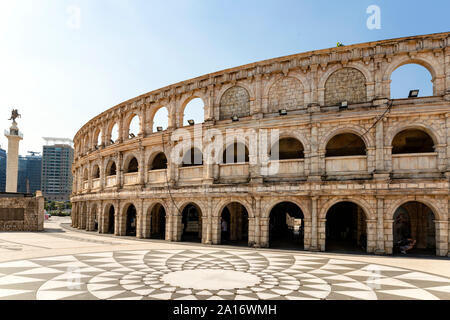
(33, 213)
(346, 84)
(286, 93)
(235, 101)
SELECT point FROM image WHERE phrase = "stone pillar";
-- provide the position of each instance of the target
(264, 224)
(142, 166)
(322, 234)
(388, 236)
(379, 147)
(371, 235)
(314, 159)
(306, 234)
(257, 225)
(447, 125)
(208, 238)
(117, 219)
(442, 239)
(119, 168)
(380, 227)
(12, 163)
(216, 230)
(140, 220)
(314, 216)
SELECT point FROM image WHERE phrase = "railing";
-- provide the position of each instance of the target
(414, 161)
(291, 167)
(130, 178)
(157, 176)
(191, 173)
(96, 183)
(111, 181)
(233, 170)
(347, 164)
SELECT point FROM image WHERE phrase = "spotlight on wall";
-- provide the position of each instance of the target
(191, 122)
(112, 141)
(132, 135)
(413, 93)
(282, 112)
(344, 105)
(159, 129)
(235, 118)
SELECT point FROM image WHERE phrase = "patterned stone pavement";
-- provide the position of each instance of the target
(212, 274)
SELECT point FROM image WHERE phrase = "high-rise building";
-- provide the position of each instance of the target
(3, 157)
(57, 170)
(29, 176)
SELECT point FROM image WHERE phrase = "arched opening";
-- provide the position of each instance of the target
(95, 217)
(134, 127)
(346, 228)
(131, 221)
(111, 168)
(345, 84)
(159, 162)
(161, 119)
(96, 172)
(415, 220)
(287, 149)
(286, 226)
(111, 220)
(236, 153)
(345, 144)
(85, 175)
(234, 102)
(98, 138)
(114, 136)
(191, 223)
(412, 141)
(133, 166)
(234, 224)
(193, 157)
(409, 77)
(194, 110)
(158, 222)
(86, 143)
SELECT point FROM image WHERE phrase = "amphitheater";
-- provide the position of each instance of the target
(307, 151)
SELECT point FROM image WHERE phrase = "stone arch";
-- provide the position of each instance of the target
(286, 93)
(367, 208)
(109, 132)
(367, 138)
(273, 203)
(345, 84)
(431, 65)
(220, 206)
(95, 170)
(234, 101)
(235, 143)
(152, 112)
(192, 157)
(148, 209)
(196, 95)
(97, 139)
(108, 224)
(125, 221)
(295, 134)
(127, 123)
(154, 156)
(127, 161)
(110, 167)
(392, 132)
(86, 143)
(355, 65)
(284, 154)
(427, 202)
(85, 174)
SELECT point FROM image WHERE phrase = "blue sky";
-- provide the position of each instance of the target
(60, 74)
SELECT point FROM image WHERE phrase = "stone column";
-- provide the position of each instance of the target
(264, 232)
(142, 166)
(208, 219)
(140, 220)
(314, 160)
(314, 216)
(442, 238)
(257, 226)
(307, 234)
(119, 168)
(216, 230)
(12, 163)
(371, 235)
(388, 236)
(322, 233)
(380, 226)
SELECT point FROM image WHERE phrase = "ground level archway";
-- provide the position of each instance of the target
(131, 221)
(191, 220)
(286, 226)
(234, 224)
(346, 228)
(157, 222)
(415, 220)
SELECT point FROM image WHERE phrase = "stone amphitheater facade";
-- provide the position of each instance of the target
(400, 160)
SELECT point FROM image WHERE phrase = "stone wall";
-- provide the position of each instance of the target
(286, 93)
(235, 101)
(346, 84)
(21, 213)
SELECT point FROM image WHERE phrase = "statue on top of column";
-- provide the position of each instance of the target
(14, 115)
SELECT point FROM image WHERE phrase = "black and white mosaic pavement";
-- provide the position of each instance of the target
(212, 274)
